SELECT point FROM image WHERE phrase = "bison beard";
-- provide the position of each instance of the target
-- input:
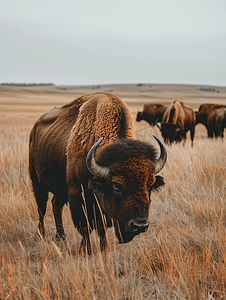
(116, 181)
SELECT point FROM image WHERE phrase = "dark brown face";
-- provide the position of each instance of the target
(171, 132)
(168, 134)
(125, 194)
(139, 116)
(201, 118)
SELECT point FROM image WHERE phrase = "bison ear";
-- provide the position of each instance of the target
(159, 182)
(96, 186)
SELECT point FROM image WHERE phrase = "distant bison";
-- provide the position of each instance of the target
(116, 181)
(217, 121)
(151, 112)
(202, 117)
(177, 120)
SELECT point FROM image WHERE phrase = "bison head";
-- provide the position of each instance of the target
(139, 116)
(200, 118)
(170, 132)
(124, 176)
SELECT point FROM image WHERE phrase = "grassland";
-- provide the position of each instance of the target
(181, 256)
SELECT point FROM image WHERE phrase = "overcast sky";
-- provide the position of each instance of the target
(105, 42)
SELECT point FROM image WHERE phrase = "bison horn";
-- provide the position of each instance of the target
(157, 124)
(179, 124)
(91, 164)
(178, 129)
(161, 161)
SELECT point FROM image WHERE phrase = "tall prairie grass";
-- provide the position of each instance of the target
(181, 256)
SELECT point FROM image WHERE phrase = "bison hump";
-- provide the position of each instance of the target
(103, 115)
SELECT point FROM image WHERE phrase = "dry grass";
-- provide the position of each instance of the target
(182, 256)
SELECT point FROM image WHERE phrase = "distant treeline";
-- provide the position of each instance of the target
(26, 84)
(208, 90)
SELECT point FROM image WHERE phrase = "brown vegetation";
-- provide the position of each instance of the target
(181, 256)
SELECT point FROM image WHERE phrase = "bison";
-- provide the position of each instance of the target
(151, 112)
(85, 154)
(203, 114)
(177, 120)
(217, 121)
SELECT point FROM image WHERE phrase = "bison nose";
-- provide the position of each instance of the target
(137, 227)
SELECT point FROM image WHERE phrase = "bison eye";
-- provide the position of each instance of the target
(118, 190)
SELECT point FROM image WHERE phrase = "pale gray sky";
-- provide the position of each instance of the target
(122, 41)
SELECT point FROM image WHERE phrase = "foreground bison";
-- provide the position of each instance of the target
(177, 120)
(204, 116)
(116, 181)
(151, 112)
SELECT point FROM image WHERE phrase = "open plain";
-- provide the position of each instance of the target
(181, 256)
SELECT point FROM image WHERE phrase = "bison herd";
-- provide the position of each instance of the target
(177, 119)
(85, 153)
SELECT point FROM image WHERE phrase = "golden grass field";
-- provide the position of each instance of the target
(181, 256)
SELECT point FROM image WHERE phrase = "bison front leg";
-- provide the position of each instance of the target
(86, 243)
(81, 207)
(210, 133)
(192, 133)
(103, 238)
